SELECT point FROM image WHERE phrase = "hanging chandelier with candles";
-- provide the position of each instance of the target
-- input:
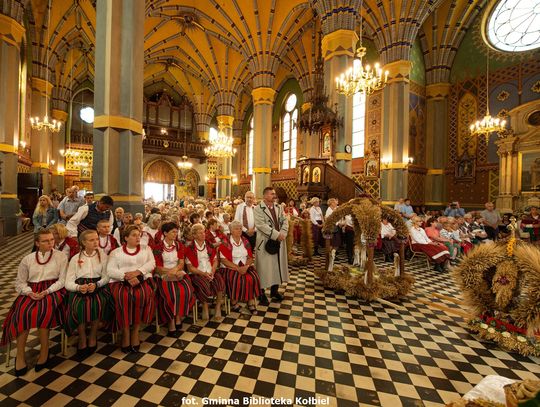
(487, 124)
(37, 123)
(185, 164)
(221, 145)
(360, 79)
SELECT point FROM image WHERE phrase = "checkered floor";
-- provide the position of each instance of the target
(316, 343)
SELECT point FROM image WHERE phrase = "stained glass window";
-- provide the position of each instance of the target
(514, 25)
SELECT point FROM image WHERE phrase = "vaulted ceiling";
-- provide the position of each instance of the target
(216, 51)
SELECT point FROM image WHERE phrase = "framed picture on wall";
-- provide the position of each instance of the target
(371, 170)
(465, 169)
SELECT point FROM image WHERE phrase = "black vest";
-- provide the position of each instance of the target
(93, 217)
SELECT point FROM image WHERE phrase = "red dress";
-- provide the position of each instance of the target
(240, 287)
(174, 297)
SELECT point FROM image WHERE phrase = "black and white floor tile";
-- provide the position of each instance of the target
(317, 345)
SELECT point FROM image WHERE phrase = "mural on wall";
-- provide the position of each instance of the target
(417, 124)
(467, 114)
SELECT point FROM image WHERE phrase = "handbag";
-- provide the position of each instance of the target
(272, 246)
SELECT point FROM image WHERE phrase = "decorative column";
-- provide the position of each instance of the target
(41, 140)
(509, 179)
(58, 143)
(395, 132)
(11, 34)
(263, 103)
(224, 165)
(118, 102)
(436, 142)
(338, 48)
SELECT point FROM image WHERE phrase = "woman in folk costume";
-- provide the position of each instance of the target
(292, 211)
(89, 300)
(175, 292)
(40, 285)
(150, 234)
(213, 235)
(62, 242)
(438, 252)
(107, 242)
(202, 261)
(130, 270)
(242, 281)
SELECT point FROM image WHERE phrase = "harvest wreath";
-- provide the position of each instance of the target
(501, 286)
(364, 280)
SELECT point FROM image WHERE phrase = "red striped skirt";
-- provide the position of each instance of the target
(26, 313)
(439, 254)
(133, 305)
(174, 298)
(242, 288)
(205, 289)
(84, 308)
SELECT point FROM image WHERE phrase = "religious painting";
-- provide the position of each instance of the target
(372, 168)
(530, 171)
(316, 178)
(327, 145)
(305, 176)
(86, 173)
(465, 168)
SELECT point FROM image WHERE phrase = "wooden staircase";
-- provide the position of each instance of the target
(318, 178)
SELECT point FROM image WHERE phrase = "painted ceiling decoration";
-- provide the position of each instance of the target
(215, 52)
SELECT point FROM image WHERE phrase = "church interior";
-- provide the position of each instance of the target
(400, 110)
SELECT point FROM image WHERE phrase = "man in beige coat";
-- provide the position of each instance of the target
(271, 223)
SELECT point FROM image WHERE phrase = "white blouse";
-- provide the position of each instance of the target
(30, 271)
(120, 263)
(66, 249)
(170, 259)
(315, 213)
(84, 266)
(105, 243)
(418, 235)
(145, 239)
(202, 256)
(387, 229)
(239, 253)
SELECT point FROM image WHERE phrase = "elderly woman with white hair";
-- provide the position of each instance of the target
(202, 261)
(150, 231)
(317, 219)
(237, 266)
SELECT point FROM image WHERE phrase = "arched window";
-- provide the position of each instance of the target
(289, 132)
(212, 133)
(249, 147)
(358, 125)
(514, 25)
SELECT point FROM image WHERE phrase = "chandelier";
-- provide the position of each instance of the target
(360, 79)
(70, 153)
(185, 164)
(221, 145)
(488, 124)
(36, 122)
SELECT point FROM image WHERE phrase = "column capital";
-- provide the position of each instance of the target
(42, 86)
(263, 96)
(59, 115)
(11, 31)
(398, 71)
(439, 90)
(339, 42)
(118, 122)
(225, 120)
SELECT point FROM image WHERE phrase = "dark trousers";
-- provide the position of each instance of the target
(251, 239)
(349, 244)
(389, 246)
(492, 232)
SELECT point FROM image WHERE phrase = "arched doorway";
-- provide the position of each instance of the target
(160, 179)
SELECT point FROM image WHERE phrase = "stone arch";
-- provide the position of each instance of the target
(161, 166)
